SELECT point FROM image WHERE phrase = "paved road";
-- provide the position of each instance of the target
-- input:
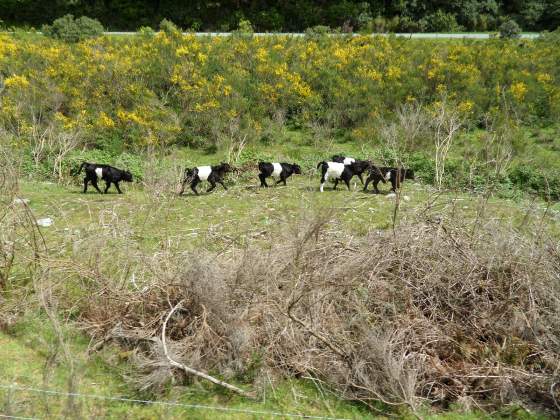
(403, 35)
(298, 34)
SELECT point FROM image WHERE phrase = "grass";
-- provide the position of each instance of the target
(30, 357)
(246, 210)
(26, 361)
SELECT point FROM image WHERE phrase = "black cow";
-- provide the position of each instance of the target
(383, 173)
(109, 174)
(360, 166)
(338, 171)
(212, 174)
(281, 170)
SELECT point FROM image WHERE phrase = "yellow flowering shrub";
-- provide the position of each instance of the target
(171, 87)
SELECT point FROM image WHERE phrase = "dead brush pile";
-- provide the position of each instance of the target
(432, 314)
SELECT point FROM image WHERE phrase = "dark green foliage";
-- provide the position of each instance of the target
(441, 21)
(545, 183)
(510, 29)
(292, 15)
(69, 29)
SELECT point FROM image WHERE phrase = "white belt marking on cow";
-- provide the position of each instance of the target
(277, 169)
(204, 172)
(349, 160)
(335, 169)
(99, 172)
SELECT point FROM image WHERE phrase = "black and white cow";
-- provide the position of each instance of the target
(337, 171)
(109, 174)
(360, 166)
(212, 174)
(383, 173)
(281, 170)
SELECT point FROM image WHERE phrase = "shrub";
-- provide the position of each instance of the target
(168, 27)
(69, 29)
(407, 24)
(146, 31)
(546, 184)
(510, 29)
(317, 32)
(437, 304)
(245, 27)
(441, 21)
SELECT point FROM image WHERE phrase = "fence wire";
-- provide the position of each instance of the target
(161, 403)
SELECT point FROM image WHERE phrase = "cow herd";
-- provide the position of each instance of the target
(339, 168)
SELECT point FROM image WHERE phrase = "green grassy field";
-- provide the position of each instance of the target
(29, 355)
(150, 218)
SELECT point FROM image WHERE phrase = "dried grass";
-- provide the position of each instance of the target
(433, 313)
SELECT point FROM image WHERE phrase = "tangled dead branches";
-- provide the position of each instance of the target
(431, 314)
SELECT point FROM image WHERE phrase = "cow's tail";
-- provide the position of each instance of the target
(321, 164)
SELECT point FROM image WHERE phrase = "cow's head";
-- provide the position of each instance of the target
(226, 167)
(127, 176)
(296, 168)
(408, 174)
(360, 166)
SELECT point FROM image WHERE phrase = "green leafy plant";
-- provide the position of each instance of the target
(69, 29)
(510, 29)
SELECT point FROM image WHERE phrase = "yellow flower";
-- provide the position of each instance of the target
(518, 90)
(261, 55)
(202, 57)
(466, 106)
(544, 77)
(393, 73)
(105, 120)
(182, 51)
(16, 81)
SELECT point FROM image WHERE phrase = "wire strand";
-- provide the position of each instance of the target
(165, 403)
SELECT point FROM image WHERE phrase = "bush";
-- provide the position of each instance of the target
(356, 318)
(317, 32)
(245, 26)
(146, 32)
(545, 184)
(69, 29)
(510, 29)
(407, 24)
(441, 21)
(168, 27)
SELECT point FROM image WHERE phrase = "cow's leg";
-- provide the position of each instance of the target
(282, 179)
(262, 177)
(347, 182)
(368, 179)
(194, 183)
(94, 183)
(324, 178)
(107, 185)
(222, 184)
(117, 186)
(335, 184)
(212, 185)
(86, 180)
(375, 183)
(361, 179)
